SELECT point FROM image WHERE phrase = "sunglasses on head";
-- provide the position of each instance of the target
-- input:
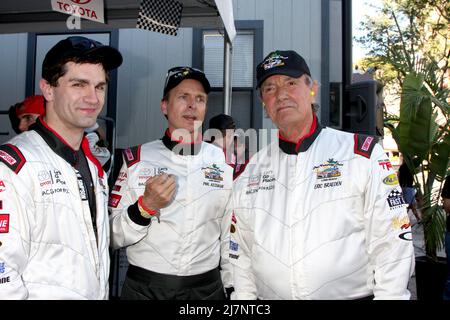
(177, 72)
(84, 43)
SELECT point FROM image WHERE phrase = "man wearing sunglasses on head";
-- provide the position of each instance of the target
(54, 231)
(169, 200)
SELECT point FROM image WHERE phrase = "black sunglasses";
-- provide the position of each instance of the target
(84, 43)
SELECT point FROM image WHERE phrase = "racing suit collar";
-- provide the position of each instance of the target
(61, 147)
(184, 149)
(303, 143)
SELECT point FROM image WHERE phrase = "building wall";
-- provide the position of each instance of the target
(288, 24)
(147, 57)
(13, 55)
(335, 41)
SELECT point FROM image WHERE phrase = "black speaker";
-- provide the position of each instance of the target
(364, 108)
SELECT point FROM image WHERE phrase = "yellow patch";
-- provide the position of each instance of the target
(401, 223)
(391, 180)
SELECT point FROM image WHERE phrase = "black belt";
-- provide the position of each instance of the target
(172, 281)
(371, 297)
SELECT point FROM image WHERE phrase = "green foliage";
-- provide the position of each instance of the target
(407, 36)
(416, 119)
(425, 145)
(409, 41)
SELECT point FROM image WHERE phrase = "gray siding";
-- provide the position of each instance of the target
(335, 41)
(288, 24)
(13, 55)
(147, 57)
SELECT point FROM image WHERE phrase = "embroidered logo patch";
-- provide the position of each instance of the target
(129, 155)
(4, 223)
(114, 200)
(366, 144)
(234, 246)
(8, 158)
(385, 164)
(329, 169)
(213, 173)
(391, 180)
(274, 60)
(401, 223)
(395, 199)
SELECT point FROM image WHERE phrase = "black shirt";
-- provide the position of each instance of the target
(446, 194)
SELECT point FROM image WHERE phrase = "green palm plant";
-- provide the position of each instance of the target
(422, 133)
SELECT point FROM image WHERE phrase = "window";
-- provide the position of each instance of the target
(242, 63)
(208, 55)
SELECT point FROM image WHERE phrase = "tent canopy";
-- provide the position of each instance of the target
(38, 16)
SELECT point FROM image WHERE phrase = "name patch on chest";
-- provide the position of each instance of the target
(328, 174)
(213, 176)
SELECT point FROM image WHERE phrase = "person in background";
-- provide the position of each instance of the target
(236, 154)
(226, 125)
(26, 113)
(53, 192)
(13, 117)
(31, 108)
(318, 213)
(409, 192)
(168, 203)
(446, 204)
(97, 143)
(23, 114)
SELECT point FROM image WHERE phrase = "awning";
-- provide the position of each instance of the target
(38, 16)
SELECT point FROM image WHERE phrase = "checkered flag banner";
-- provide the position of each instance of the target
(160, 15)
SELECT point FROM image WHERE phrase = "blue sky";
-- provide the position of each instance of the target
(359, 9)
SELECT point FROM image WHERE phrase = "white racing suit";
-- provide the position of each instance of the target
(320, 219)
(193, 233)
(48, 249)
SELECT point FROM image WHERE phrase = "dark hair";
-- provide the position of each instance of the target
(15, 121)
(79, 50)
(60, 69)
(405, 176)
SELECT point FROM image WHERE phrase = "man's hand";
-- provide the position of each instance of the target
(159, 191)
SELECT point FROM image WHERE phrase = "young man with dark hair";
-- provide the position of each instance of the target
(53, 192)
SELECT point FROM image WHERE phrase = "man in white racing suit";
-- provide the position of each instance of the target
(318, 214)
(54, 231)
(169, 200)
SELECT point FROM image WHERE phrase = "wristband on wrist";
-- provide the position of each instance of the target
(145, 212)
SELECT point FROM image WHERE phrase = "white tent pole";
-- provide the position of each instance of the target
(227, 68)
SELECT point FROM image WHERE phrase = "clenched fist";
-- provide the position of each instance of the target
(159, 191)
